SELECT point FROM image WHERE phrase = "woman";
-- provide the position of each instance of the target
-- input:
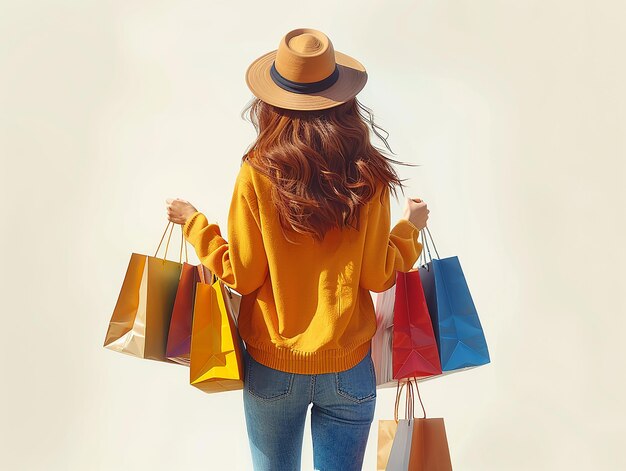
(308, 238)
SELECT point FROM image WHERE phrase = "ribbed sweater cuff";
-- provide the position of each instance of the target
(324, 361)
(406, 228)
(189, 224)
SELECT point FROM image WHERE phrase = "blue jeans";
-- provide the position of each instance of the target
(276, 403)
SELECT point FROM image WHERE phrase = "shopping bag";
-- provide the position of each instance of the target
(404, 344)
(418, 444)
(179, 336)
(216, 360)
(415, 352)
(234, 300)
(429, 446)
(387, 432)
(140, 321)
(458, 331)
(394, 443)
(383, 338)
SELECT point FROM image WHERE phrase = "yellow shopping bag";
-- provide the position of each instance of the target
(216, 360)
(140, 322)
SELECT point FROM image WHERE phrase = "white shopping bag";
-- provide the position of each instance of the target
(382, 340)
(401, 448)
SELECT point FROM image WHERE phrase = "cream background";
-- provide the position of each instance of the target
(516, 112)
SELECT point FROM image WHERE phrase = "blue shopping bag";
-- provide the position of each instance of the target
(458, 331)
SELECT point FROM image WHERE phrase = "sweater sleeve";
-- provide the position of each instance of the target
(240, 263)
(387, 251)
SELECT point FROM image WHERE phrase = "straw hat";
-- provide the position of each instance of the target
(305, 73)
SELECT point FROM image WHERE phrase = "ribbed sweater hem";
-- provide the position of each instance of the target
(319, 362)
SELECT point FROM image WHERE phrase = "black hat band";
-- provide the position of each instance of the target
(303, 87)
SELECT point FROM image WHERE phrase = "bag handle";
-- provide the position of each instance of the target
(409, 399)
(425, 244)
(200, 269)
(182, 243)
(398, 389)
(203, 277)
(213, 280)
(418, 395)
(407, 408)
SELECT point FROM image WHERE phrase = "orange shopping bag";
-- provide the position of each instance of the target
(140, 321)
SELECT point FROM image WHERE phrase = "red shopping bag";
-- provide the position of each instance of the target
(414, 347)
(179, 336)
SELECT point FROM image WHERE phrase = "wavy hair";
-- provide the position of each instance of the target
(321, 163)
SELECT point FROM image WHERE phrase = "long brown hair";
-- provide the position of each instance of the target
(321, 163)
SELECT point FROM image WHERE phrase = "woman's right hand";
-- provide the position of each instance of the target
(416, 212)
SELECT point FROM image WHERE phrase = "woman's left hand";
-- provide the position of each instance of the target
(178, 210)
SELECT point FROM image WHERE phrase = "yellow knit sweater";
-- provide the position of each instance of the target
(305, 308)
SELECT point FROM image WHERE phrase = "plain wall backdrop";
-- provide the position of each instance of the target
(515, 112)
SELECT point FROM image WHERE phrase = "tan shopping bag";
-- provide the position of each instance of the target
(140, 322)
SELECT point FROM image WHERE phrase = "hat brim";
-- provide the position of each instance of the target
(352, 79)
